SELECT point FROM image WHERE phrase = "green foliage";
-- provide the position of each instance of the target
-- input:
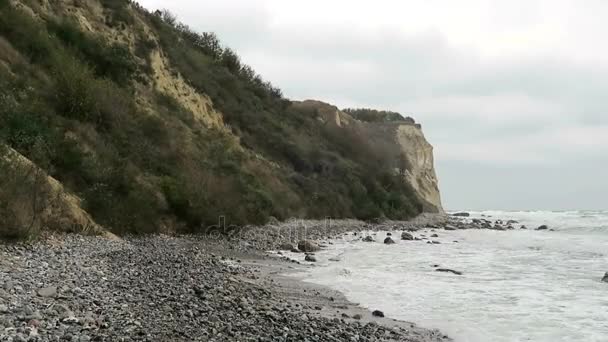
(119, 13)
(113, 61)
(372, 115)
(27, 35)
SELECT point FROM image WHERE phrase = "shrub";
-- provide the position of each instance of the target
(112, 60)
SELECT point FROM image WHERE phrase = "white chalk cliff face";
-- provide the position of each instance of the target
(398, 140)
(419, 152)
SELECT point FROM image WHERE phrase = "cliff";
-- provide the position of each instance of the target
(401, 141)
(148, 126)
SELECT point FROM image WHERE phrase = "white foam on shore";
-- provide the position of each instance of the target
(520, 285)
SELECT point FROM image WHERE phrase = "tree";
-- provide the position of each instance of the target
(168, 17)
(231, 60)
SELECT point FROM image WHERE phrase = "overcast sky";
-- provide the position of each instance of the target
(512, 94)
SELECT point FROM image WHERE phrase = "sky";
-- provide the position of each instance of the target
(512, 94)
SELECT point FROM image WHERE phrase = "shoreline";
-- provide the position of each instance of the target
(164, 288)
(188, 288)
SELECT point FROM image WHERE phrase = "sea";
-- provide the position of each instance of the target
(516, 285)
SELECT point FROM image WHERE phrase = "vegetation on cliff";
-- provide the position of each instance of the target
(85, 108)
(373, 115)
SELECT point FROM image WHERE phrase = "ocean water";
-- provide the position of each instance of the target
(520, 285)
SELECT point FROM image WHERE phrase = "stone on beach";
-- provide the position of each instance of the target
(308, 246)
(388, 240)
(448, 271)
(407, 236)
(543, 227)
(368, 239)
(47, 292)
(605, 278)
(462, 214)
(377, 313)
(310, 258)
(287, 246)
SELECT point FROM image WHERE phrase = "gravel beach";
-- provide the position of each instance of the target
(186, 288)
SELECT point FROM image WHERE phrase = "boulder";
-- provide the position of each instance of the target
(605, 278)
(368, 239)
(407, 236)
(389, 234)
(448, 270)
(357, 316)
(287, 246)
(448, 227)
(310, 258)
(462, 214)
(543, 227)
(434, 235)
(388, 240)
(308, 246)
(377, 313)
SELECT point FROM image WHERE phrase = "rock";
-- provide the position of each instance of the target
(448, 270)
(448, 227)
(434, 235)
(335, 259)
(407, 236)
(368, 239)
(523, 227)
(543, 227)
(308, 246)
(287, 246)
(70, 320)
(357, 316)
(605, 278)
(462, 214)
(388, 240)
(389, 234)
(48, 292)
(4, 309)
(310, 258)
(378, 313)
(4, 294)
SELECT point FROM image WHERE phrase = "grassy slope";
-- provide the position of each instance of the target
(69, 104)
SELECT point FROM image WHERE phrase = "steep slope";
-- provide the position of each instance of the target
(159, 128)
